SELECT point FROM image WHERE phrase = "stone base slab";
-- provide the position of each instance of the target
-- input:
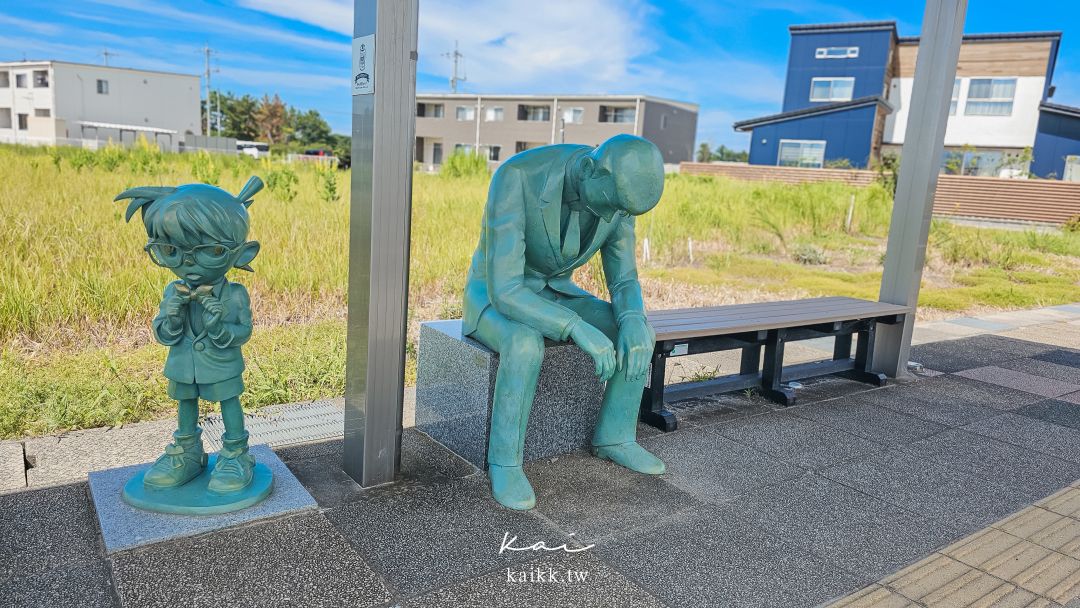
(126, 527)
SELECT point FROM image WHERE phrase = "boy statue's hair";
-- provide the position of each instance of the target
(188, 215)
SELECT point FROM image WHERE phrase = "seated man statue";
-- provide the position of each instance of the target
(548, 211)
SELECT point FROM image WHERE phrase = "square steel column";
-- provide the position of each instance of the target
(383, 127)
(920, 163)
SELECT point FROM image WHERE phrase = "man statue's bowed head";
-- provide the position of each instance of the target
(549, 210)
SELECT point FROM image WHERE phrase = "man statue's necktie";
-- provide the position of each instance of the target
(571, 243)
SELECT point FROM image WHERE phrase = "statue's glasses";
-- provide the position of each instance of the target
(213, 255)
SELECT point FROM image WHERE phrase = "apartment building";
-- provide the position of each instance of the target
(57, 102)
(499, 126)
(848, 90)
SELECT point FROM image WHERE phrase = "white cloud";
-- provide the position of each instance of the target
(28, 26)
(331, 15)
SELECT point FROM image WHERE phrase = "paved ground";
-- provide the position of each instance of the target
(947, 491)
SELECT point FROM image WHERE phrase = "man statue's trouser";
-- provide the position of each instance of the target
(521, 351)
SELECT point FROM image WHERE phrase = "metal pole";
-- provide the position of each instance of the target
(384, 109)
(920, 162)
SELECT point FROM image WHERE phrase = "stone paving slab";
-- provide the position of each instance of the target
(1056, 411)
(797, 440)
(1038, 385)
(1062, 356)
(603, 586)
(713, 468)
(85, 585)
(977, 351)
(125, 527)
(1046, 369)
(855, 416)
(46, 529)
(12, 466)
(295, 561)
(1036, 435)
(1058, 334)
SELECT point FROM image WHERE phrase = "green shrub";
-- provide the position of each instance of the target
(810, 255)
(204, 169)
(461, 164)
(1072, 224)
(328, 184)
(282, 181)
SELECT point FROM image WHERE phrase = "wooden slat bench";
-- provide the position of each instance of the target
(690, 331)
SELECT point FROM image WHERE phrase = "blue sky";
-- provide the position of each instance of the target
(727, 56)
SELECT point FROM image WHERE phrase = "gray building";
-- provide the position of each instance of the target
(57, 102)
(499, 126)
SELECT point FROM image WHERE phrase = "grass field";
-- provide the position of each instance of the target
(77, 292)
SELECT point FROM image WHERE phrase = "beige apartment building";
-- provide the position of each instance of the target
(499, 126)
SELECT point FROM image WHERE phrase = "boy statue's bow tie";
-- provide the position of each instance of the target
(200, 293)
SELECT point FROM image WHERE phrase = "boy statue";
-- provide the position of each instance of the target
(549, 210)
(199, 232)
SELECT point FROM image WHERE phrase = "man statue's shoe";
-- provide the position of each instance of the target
(183, 460)
(511, 488)
(632, 456)
(234, 469)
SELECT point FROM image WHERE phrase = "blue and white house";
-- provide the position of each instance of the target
(848, 89)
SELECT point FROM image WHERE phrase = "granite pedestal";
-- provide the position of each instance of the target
(125, 527)
(455, 385)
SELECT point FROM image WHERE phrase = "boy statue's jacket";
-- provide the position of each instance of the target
(195, 355)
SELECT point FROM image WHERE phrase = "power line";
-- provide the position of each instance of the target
(456, 56)
(105, 54)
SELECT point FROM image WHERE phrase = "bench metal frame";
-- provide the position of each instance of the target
(764, 375)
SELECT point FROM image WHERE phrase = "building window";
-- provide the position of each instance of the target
(663, 121)
(42, 112)
(955, 97)
(463, 149)
(466, 113)
(990, 97)
(493, 153)
(5, 118)
(522, 146)
(102, 87)
(617, 114)
(494, 114)
(573, 116)
(5, 80)
(24, 120)
(801, 153)
(20, 81)
(436, 153)
(429, 110)
(41, 79)
(534, 113)
(836, 52)
(831, 89)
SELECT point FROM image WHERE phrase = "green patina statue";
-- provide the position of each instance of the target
(549, 210)
(199, 232)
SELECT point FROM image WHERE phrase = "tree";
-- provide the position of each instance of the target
(704, 153)
(310, 128)
(272, 117)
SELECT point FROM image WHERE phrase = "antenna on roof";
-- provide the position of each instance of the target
(105, 54)
(456, 56)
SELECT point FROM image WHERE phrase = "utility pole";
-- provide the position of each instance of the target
(456, 56)
(105, 54)
(207, 52)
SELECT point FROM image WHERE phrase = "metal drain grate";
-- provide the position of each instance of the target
(279, 425)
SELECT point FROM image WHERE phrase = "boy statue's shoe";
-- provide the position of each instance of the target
(632, 456)
(234, 469)
(511, 488)
(183, 460)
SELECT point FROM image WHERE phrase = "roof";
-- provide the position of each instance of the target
(1000, 37)
(743, 125)
(1057, 108)
(113, 125)
(692, 107)
(32, 62)
(854, 26)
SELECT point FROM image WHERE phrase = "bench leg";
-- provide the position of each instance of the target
(751, 359)
(864, 354)
(773, 368)
(653, 412)
(842, 348)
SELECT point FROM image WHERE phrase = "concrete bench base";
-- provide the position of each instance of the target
(455, 384)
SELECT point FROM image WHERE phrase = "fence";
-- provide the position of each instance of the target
(1012, 200)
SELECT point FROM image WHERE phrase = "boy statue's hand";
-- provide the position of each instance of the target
(212, 312)
(174, 308)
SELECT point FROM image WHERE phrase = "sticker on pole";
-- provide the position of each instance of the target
(363, 55)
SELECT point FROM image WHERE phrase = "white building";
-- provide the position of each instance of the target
(56, 102)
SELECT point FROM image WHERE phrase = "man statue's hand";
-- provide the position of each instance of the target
(636, 342)
(596, 344)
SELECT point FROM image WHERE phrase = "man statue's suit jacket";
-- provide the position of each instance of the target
(520, 248)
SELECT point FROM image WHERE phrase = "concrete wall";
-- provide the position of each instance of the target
(671, 128)
(25, 100)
